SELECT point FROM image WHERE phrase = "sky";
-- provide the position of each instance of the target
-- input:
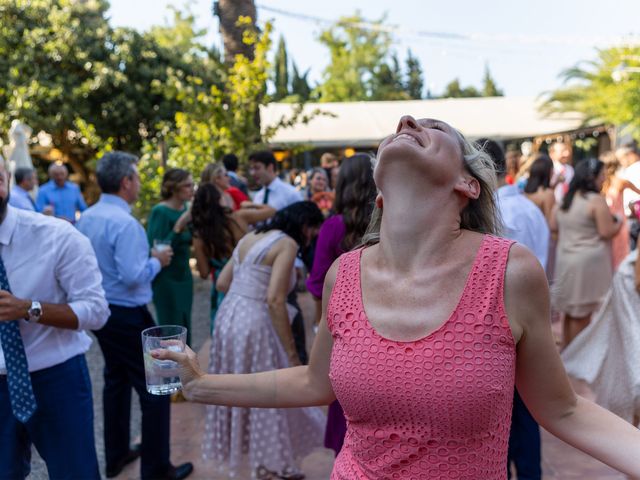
(525, 44)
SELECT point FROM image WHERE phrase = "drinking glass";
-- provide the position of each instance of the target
(163, 376)
(161, 244)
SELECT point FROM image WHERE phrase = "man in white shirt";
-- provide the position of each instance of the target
(274, 192)
(25, 182)
(523, 222)
(50, 293)
(562, 169)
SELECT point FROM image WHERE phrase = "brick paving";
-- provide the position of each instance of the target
(560, 461)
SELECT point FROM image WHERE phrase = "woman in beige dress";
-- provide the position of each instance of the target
(585, 227)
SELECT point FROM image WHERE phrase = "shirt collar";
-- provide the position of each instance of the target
(274, 183)
(508, 191)
(8, 225)
(116, 201)
(19, 189)
(55, 185)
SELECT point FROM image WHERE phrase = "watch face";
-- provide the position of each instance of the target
(35, 312)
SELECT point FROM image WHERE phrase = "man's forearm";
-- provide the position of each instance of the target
(58, 315)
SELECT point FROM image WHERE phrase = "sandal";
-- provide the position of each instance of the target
(291, 474)
(263, 473)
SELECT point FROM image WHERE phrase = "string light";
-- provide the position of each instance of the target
(543, 39)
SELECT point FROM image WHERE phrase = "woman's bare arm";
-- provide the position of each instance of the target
(286, 250)
(226, 276)
(202, 260)
(255, 213)
(607, 227)
(302, 386)
(543, 383)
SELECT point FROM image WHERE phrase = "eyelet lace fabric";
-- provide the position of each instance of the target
(436, 408)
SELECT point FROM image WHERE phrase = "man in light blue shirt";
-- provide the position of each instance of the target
(59, 196)
(25, 181)
(127, 269)
(523, 222)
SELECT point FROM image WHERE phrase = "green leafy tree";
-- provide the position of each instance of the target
(64, 70)
(52, 53)
(454, 90)
(300, 89)
(281, 72)
(356, 53)
(489, 87)
(606, 89)
(414, 84)
(387, 82)
(213, 119)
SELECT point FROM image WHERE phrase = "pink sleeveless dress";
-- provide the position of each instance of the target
(436, 408)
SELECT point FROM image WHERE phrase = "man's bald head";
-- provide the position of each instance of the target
(58, 173)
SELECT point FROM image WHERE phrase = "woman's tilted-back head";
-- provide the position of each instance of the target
(296, 221)
(428, 155)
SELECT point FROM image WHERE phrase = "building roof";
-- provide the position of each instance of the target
(364, 124)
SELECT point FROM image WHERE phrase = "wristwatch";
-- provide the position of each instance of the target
(35, 312)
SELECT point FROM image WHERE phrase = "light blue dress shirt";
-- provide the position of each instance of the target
(122, 250)
(523, 222)
(66, 200)
(20, 198)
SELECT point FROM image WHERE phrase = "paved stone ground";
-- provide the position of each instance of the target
(560, 461)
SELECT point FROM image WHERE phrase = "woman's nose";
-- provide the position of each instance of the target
(407, 121)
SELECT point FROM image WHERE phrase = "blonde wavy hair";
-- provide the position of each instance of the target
(481, 214)
(211, 171)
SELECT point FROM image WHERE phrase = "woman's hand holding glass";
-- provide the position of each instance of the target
(189, 367)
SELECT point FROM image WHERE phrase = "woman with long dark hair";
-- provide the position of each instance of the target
(216, 231)
(538, 188)
(585, 227)
(355, 199)
(253, 334)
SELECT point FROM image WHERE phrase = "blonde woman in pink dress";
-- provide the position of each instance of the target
(426, 329)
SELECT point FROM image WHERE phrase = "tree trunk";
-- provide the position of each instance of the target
(228, 12)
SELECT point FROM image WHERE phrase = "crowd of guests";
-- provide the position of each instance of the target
(409, 384)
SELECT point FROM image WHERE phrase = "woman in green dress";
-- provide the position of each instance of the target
(173, 287)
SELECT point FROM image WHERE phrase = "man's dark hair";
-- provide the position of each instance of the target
(230, 162)
(632, 146)
(494, 150)
(22, 174)
(264, 156)
(112, 168)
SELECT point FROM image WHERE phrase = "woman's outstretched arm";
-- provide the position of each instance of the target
(543, 383)
(290, 387)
